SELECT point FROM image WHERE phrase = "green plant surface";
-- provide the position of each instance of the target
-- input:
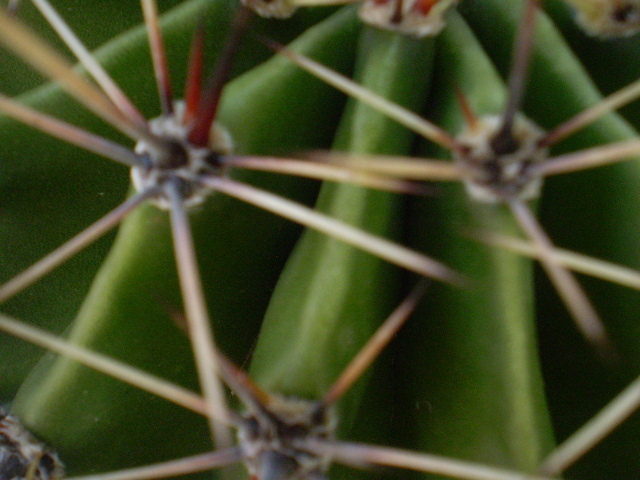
(494, 372)
(320, 313)
(617, 55)
(486, 359)
(600, 220)
(43, 179)
(127, 311)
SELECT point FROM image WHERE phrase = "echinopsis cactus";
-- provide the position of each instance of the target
(497, 372)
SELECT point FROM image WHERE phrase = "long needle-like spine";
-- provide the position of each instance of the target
(378, 246)
(358, 455)
(158, 54)
(199, 328)
(117, 96)
(394, 111)
(69, 133)
(210, 98)
(517, 76)
(42, 57)
(71, 247)
(595, 430)
(183, 466)
(567, 286)
(112, 367)
(326, 171)
(614, 101)
(375, 345)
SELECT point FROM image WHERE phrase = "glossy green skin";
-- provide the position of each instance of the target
(127, 312)
(51, 190)
(465, 379)
(474, 349)
(325, 307)
(580, 383)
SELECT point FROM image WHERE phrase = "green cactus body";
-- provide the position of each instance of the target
(494, 372)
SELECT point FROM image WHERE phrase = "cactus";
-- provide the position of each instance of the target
(497, 368)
